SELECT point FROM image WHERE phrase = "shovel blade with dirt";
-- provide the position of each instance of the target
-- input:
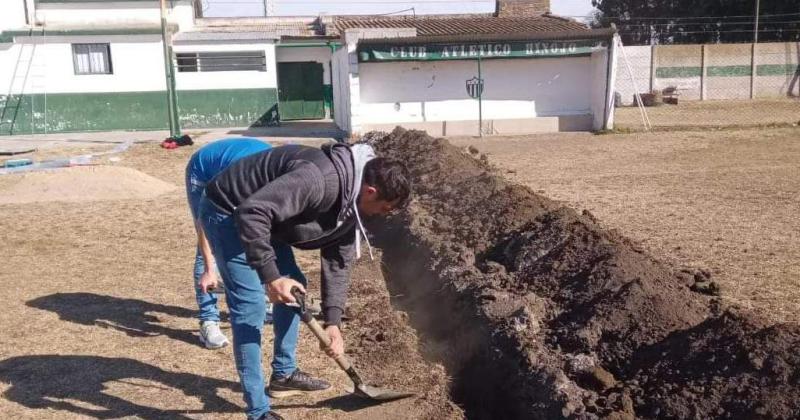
(360, 388)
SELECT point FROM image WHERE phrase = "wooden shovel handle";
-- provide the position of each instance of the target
(317, 329)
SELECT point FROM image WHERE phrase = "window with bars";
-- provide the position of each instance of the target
(92, 58)
(221, 61)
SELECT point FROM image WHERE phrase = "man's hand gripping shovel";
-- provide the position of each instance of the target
(361, 389)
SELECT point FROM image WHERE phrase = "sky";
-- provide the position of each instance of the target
(220, 8)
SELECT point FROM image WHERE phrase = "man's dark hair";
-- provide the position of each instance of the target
(390, 177)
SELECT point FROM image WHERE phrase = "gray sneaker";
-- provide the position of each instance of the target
(211, 336)
(297, 383)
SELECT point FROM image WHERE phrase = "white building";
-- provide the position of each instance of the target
(87, 65)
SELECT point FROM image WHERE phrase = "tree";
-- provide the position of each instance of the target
(646, 22)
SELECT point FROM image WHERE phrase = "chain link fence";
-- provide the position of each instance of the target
(709, 86)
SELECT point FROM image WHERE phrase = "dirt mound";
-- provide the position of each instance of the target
(80, 184)
(537, 312)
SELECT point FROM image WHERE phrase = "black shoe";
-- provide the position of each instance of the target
(297, 383)
(271, 415)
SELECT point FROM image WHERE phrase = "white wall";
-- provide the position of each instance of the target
(228, 79)
(341, 89)
(12, 15)
(321, 55)
(137, 63)
(435, 91)
(638, 58)
(599, 94)
(114, 12)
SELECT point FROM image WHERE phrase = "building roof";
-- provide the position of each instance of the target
(426, 25)
(443, 25)
(275, 27)
(223, 36)
(583, 34)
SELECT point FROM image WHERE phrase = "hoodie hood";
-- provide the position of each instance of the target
(349, 162)
(362, 153)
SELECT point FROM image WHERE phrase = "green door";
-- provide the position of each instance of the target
(300, 91)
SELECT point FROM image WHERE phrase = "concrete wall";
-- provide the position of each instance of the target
(114, 12)
(228, 79)
(681, 66)
(515, 89)
(341, 88)
(778, 69)
(12, 15)
(55, 99)
(137, 62)
(635, 74)
(727, 71)
(713, 71)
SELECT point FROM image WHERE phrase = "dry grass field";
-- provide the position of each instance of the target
(99, 313)
(98, 320)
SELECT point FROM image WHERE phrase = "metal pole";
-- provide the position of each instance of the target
(755, 28)
(172, 108)
(753, 54)
(480, 99)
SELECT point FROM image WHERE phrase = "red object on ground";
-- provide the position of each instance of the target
(169, 144)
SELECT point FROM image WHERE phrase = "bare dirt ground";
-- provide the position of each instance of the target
(99, 315)
(723, 200)
(720, 113)
(98, 320)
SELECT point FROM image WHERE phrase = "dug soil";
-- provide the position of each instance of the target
(537, 312)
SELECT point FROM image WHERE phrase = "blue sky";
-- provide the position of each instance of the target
(315, 7)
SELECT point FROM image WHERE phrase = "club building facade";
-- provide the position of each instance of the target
(72, 66)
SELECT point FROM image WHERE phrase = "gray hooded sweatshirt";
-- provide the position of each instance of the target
(305, 197)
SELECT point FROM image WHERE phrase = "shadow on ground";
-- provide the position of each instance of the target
(79, 383)
(134, 317)
(346, 403)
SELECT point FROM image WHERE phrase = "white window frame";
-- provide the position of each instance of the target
(94, 68)
(213, 61)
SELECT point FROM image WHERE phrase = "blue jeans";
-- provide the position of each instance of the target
(206, 302)
(245, 298)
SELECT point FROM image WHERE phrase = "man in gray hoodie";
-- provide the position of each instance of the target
(266, 203)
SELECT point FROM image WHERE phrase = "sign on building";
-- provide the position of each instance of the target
(487, 50)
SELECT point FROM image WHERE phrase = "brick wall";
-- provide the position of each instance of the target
(516, 8)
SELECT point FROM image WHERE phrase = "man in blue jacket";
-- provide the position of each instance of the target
(261, 206)
(204, 165)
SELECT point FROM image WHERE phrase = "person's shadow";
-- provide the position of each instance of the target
(79, 383)
(134, 317)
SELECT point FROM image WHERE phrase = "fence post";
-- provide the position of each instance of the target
(703, 72)
(652, 68)
(753, 71)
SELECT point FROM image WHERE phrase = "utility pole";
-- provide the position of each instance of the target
(172, 106)
(753, 54)
(755, 28)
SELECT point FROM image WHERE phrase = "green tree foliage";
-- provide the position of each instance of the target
(645, 22)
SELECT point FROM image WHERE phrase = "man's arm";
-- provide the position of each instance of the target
(208, 280)
(337, 261)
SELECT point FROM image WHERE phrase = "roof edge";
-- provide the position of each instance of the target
(601, 33)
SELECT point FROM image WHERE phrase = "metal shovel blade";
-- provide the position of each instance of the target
(379, 394)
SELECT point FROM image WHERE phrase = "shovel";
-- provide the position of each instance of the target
(360, 388)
